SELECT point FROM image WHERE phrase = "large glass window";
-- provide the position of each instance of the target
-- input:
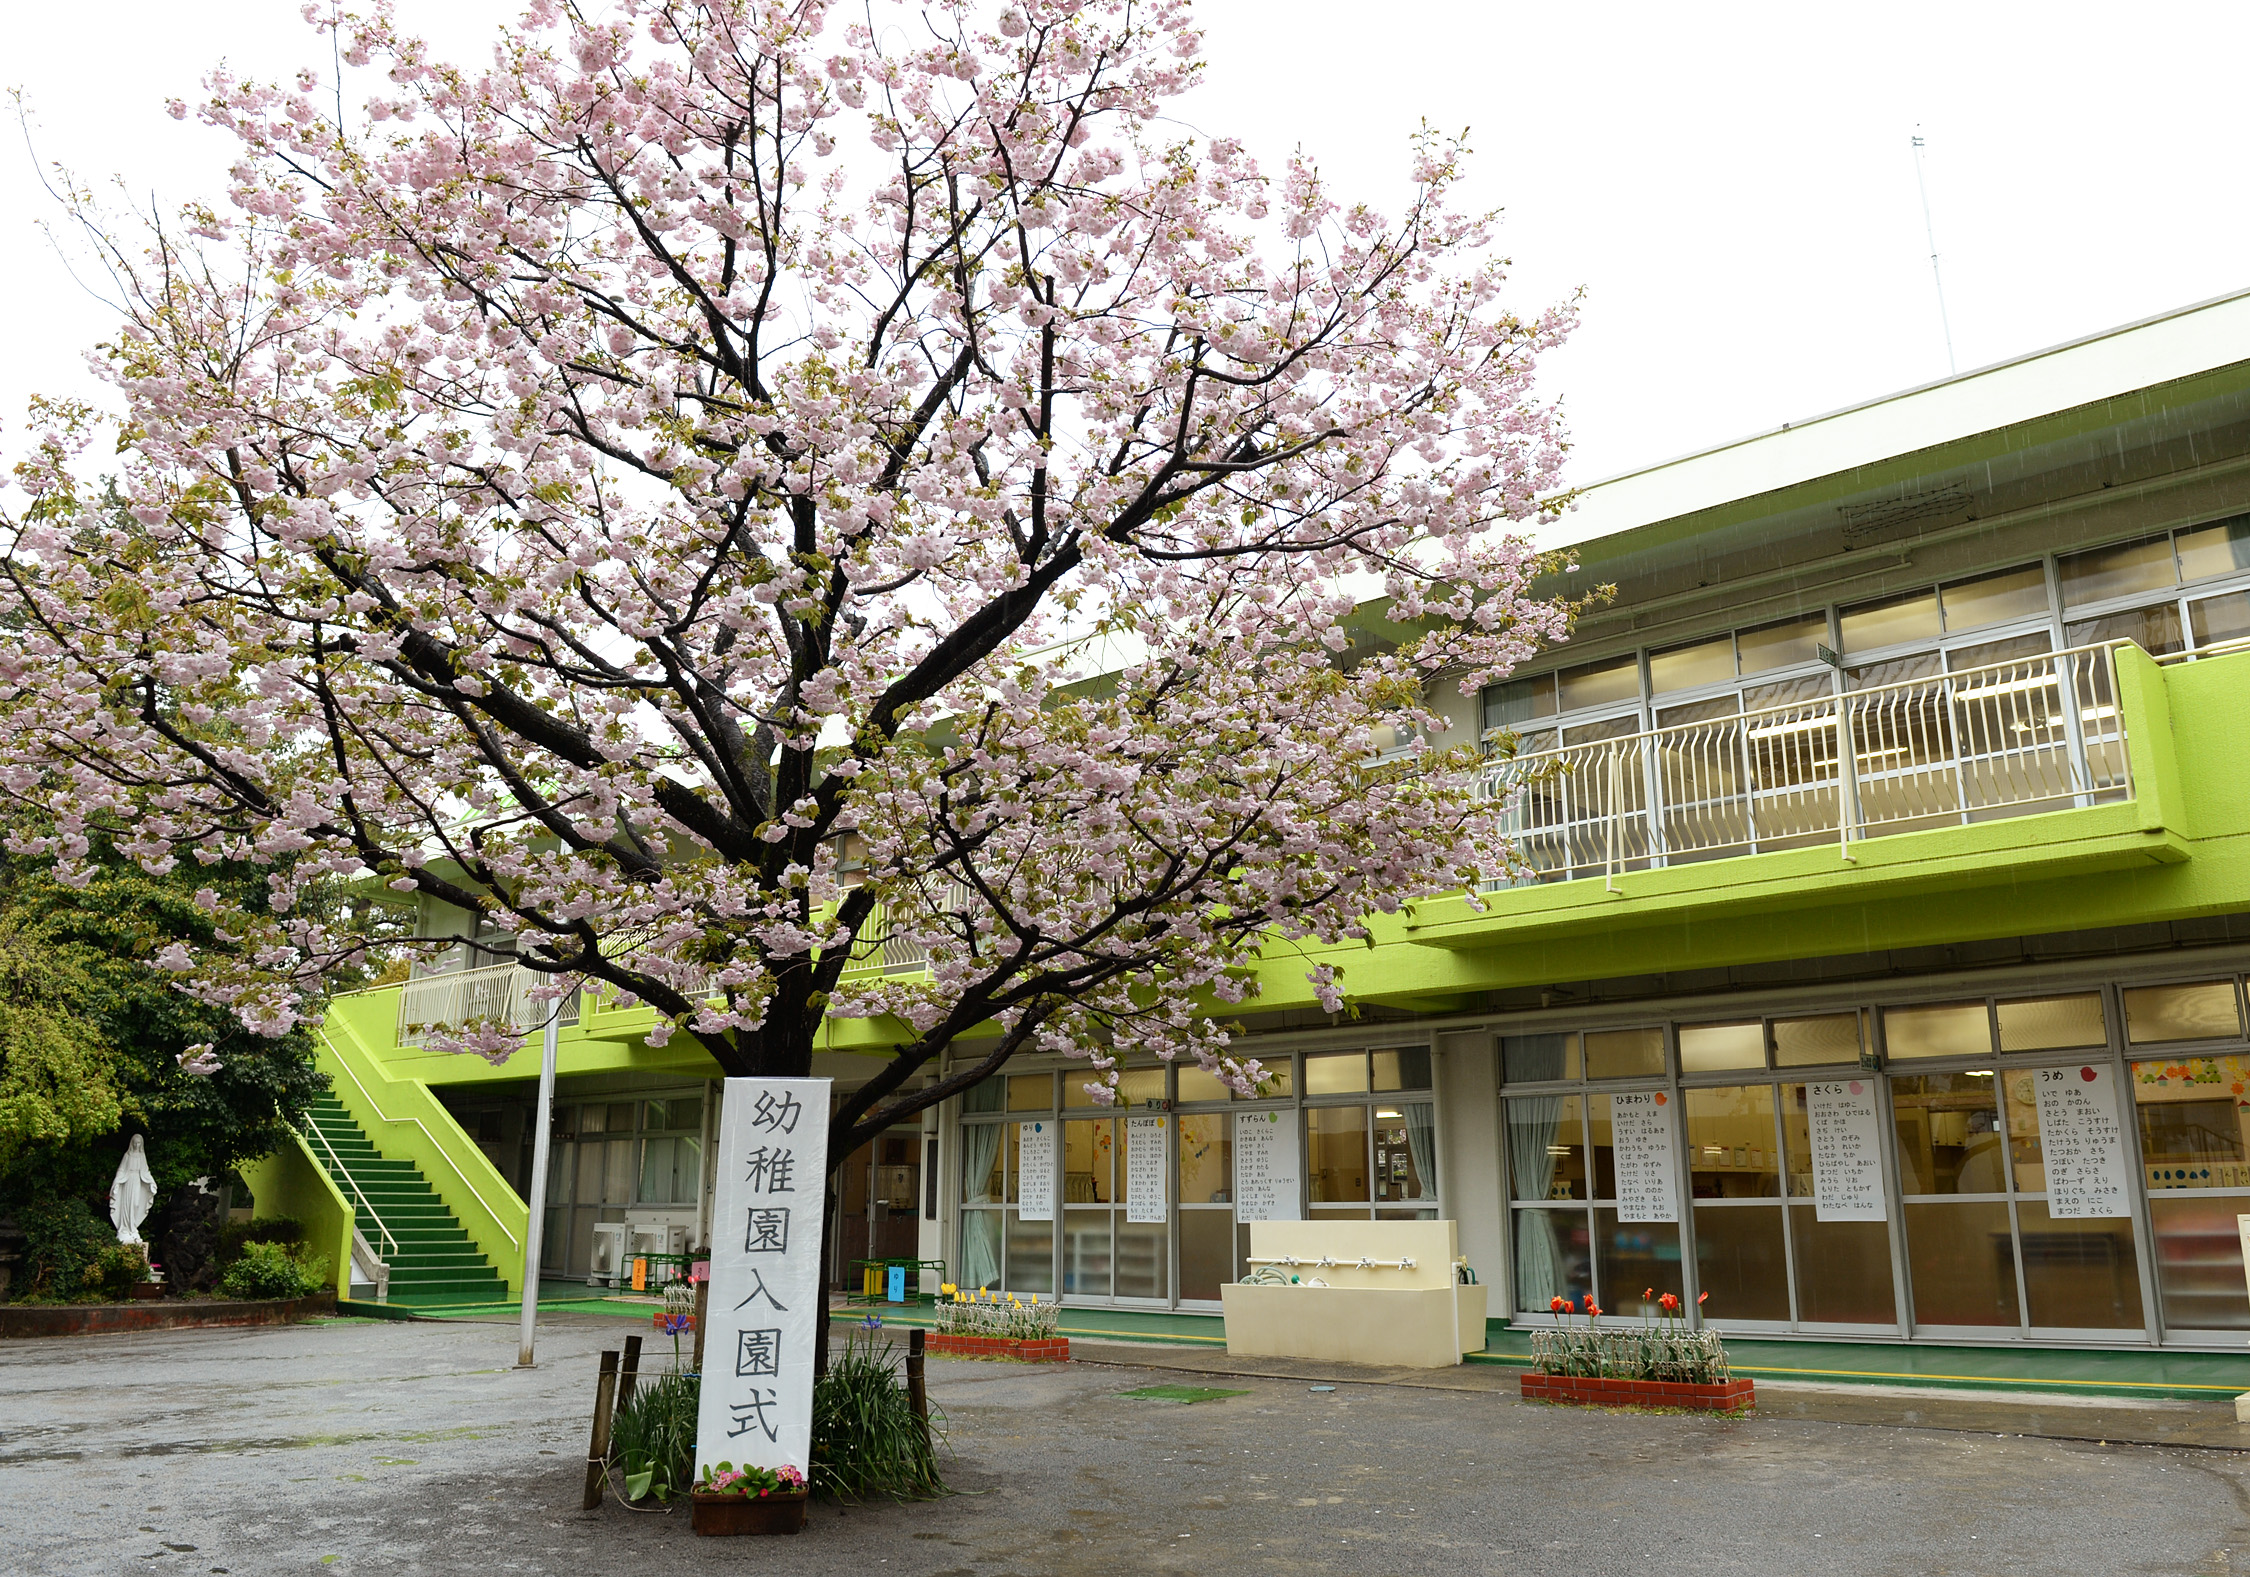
(2116, 571)
(1953, 1169)
(1734, 1168)
(1843, 1268)
(1368, 1149)
(2201, 1010)
(1968, 1218)
(2194, 1119)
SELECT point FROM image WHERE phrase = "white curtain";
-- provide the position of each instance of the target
(1421, 1144)
(1531, 1169)
(980, 1229)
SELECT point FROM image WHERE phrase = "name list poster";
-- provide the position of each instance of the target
(2082, 1142)
(1266, 1184)
(1144, 1168)
(1845, 1134)
(765, 1296)
(1035, 1171)
(1647, 1165)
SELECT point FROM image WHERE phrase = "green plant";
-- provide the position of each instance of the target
(652, 1440)
(235, 1235)
(62, 1238)
(866, 1441)
(750, 1482)
(117, 1268)
(269, 1270)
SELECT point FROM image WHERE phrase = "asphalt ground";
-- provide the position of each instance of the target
(413, 1448)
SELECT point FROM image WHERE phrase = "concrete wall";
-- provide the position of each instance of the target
(291, 1183)
(1466, 1068)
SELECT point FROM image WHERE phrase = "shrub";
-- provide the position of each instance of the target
(652, 1439)
(268, 1270)
(116, 1269)
(866, 1441)
(235, 1235)
(62, 1239)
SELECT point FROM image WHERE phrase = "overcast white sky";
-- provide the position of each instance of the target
(1732, 184)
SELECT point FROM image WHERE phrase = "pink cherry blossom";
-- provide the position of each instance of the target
(794, 514)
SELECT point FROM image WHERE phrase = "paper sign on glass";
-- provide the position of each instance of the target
(2082, 1143)
(1844, 1132)
(1035, 1165)
(1266, 1182)
(766, 1298)
(1144, 1168)
(1644, 1156)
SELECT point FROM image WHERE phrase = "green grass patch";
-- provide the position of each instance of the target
(1183, 1394)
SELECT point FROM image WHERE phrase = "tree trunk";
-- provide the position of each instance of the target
(833, 1199)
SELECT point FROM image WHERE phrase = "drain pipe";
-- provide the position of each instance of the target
(535, 1217)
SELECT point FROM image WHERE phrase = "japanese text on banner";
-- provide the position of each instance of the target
(765, 1302)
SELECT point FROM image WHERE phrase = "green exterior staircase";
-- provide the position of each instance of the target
(435, 1262)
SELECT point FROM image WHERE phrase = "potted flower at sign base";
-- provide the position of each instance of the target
(733, 1500)
(1655, 1366)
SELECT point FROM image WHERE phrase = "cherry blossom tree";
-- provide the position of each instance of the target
(734, 492)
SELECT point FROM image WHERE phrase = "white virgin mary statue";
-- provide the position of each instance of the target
(131, 1192)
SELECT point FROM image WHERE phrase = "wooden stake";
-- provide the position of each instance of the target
(917, 1389)
(597, 1450)
(702, 1308)
(630, 1374)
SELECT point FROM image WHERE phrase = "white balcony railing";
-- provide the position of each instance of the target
(2007, 739)
(456, 999)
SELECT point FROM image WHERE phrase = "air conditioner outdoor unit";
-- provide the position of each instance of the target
(652, 1237)
(609, 1253)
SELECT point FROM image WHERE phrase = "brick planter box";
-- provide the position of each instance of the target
(1053, 1350)
(1734, 1396)
(86, 1319)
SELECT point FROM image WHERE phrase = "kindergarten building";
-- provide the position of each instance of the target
(1881, 977)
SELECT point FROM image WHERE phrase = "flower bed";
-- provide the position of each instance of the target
(1728, 1396)
(1050, 1349)
(1659, 1363)
(998, 1325)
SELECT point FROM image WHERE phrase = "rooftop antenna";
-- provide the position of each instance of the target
(1921, 182)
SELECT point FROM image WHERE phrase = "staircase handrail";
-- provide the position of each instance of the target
(336, 1166)
(344, 1062)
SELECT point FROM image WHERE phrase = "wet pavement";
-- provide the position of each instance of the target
(415, 1448)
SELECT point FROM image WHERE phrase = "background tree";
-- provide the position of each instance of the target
(98, 1044)
(726, 485)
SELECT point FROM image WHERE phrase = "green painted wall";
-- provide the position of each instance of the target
(291, 1183)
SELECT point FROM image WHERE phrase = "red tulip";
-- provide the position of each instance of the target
(1556, 1305)
(1668, 1303)
(1703, 1297)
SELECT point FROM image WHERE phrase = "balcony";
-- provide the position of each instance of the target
(456, 999)
(2017, 738)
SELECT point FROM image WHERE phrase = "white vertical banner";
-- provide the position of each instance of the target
(1145, 1170)
(2082, 1142)
(1267, 1184)
(1844, 1132)
(1035, 1168)
(765, 1305)
(1645, 1157)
